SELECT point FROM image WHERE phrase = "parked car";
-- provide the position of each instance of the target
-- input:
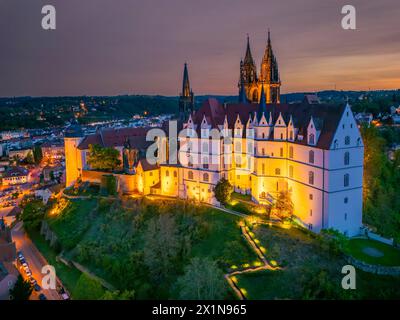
(42, 297)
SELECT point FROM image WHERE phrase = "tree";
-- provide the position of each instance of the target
(117, 295)
(100, 158)
(33, 213)
(22, 289)
(29, 158)
(88, 288)
(161, 246)
(223, 191)
(284, 205)
(202, 280)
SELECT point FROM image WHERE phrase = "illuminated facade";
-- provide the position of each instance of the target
(312, 151)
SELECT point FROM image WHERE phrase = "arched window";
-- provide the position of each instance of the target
(278, 171)
(167, 173)
(291, 152)
(175, 174)
(190, 175)
(346, 158)
(263, 135)
(311, 177)
(311, 138)
(205, 147)
(358, 141)
(311, 156)
(346, 181)
(347, 140)
(205, 177)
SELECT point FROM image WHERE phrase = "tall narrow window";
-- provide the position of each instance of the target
(190, 175)
(311, 156)
(281, 136)
(263, 169)
(167, 173)
(205, 147)
(347, 140)
(311, 139)
(346, 158)
(346, 180)
(281, 152)
(291, 152)
(291, 135)
(311, 177)
(205, 177)
(290, 171)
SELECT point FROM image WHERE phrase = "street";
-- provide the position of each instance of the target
(34, 259)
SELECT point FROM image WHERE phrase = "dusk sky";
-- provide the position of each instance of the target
(104, 47)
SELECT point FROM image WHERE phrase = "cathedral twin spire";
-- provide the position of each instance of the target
(269, 79)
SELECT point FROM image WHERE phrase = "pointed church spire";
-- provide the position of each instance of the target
(248, 59)
(185, 85)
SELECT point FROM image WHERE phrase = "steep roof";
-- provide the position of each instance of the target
(111, 137)
(326, 116)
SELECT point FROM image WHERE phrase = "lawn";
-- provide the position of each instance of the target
(374, 252)
(309, 271)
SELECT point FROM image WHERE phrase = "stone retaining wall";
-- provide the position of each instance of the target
(377, 269)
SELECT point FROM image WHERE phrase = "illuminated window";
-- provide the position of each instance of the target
(262, 195)
(311, 156)
(291, 152)
(346, 158)
(347, 140)
(311, 177)
(190, 175)
(346, 180)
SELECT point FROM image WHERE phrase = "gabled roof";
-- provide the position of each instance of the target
(327, 117)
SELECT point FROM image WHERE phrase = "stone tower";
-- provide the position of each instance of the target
(73, 157)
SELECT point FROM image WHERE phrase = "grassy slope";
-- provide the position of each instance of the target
(391, 255)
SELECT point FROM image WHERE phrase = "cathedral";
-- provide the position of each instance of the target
(251, 84)
(312, 151)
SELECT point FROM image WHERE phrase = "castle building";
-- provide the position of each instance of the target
(314, 152)
(250, 84)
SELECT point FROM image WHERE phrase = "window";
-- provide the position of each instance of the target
(263, 168)
(347, 140)
(281, 152)
(238, 147)
(263, 135)
(311, 196)
(335, 144)
(291, 152)
(205, 177)
(311, 177)
(190, 175)
(262, 195)
(290, 171)
(346, 200)
(151, 174)
(311, 156)
(345, 216)
(346, 180)
(310, 212)
(167, 173)
(281, 136)
(238, 162)
(346, 158)
(311, 139)
(291, 135)
(278, 171)
(263, 151)
(310, 226)
(358, 141)
(190, 163)
(205, 147)
(175, 174)
(205, 163)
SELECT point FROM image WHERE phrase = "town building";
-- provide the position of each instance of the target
(14, 176)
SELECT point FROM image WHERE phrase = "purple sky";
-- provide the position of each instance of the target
(109, 47)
